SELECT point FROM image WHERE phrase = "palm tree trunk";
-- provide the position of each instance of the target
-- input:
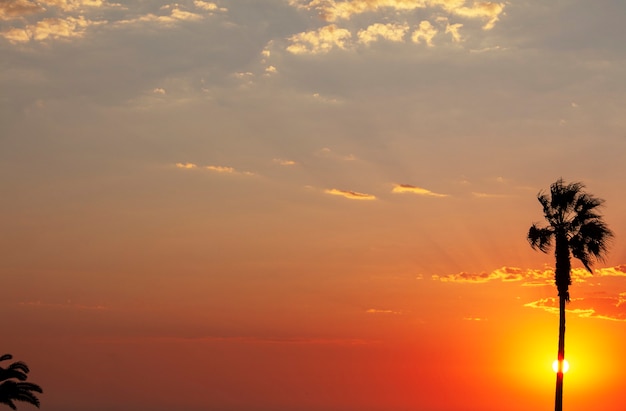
(558, 401)
(563, 281)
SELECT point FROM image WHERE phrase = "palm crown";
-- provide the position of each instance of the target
(575, 226)
(11, 390)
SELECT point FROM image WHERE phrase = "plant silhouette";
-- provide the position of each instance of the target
(577, 229)
(20, 390)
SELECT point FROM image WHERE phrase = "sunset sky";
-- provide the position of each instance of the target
(307, 205)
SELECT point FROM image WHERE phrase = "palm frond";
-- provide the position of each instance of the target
(19, 365)
(548, 211)
(563, 196)
(8, 402)
(540, 238)
(29, 386)
(19, 391)
(7, 374)
(6, 357)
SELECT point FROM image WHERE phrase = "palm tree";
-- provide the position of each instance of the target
(578, 230)
(11, 390)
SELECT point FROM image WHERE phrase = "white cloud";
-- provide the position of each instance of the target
(332, 11)
(426, 32)
(351, 195)
(282, 162)
(186, 165)
(407, 188)
(319, 41)
(453, 30)
(50, 28)
(390, 31)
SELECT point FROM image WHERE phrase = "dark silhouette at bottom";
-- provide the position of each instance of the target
(14, 386)
(577, 229)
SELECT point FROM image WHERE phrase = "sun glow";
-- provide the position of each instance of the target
(555, 366)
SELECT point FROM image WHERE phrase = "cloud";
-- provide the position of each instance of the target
(176, 16)
(72, 5)
(378, 311)
(159, 90)
(53, 28)
(179, 14)
(208, 6)
(221, 169)
(531, 277)
(319, 41)
(391, 32)
(228, 170)
(332, 11)
(215, 169)
(327, 152)
(186, 165)
(352, 195)
(284, 162)
(17, 8)
(425, 32)
(485, 10)
(617, 271)
(606, 307)
(66, 19)
(407, 188)
(503, 274)
(453, 29)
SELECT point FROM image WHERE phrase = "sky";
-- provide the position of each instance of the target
(278, 205)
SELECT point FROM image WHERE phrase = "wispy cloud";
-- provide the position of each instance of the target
(186, 165)
(327, 152)
(44, 20)
(453, 30)
(50, 28)
(352, 195)
(407, 188)
(607, 307)
(616, 271)
(530, 277)
(283, 162)
(503, 274)
(334, 10)
(379, 311)
(228, 170)
(214, 168)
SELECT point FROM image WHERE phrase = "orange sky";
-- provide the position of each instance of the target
(294, 205)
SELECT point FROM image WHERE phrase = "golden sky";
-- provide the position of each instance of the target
(306, 204)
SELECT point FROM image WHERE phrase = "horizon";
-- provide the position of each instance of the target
(312, 205)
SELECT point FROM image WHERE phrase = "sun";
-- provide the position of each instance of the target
(555, 366)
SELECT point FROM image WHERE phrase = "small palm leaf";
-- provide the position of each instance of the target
(19, 391)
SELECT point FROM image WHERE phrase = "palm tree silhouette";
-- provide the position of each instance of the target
(11, 390)
(578, 230)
